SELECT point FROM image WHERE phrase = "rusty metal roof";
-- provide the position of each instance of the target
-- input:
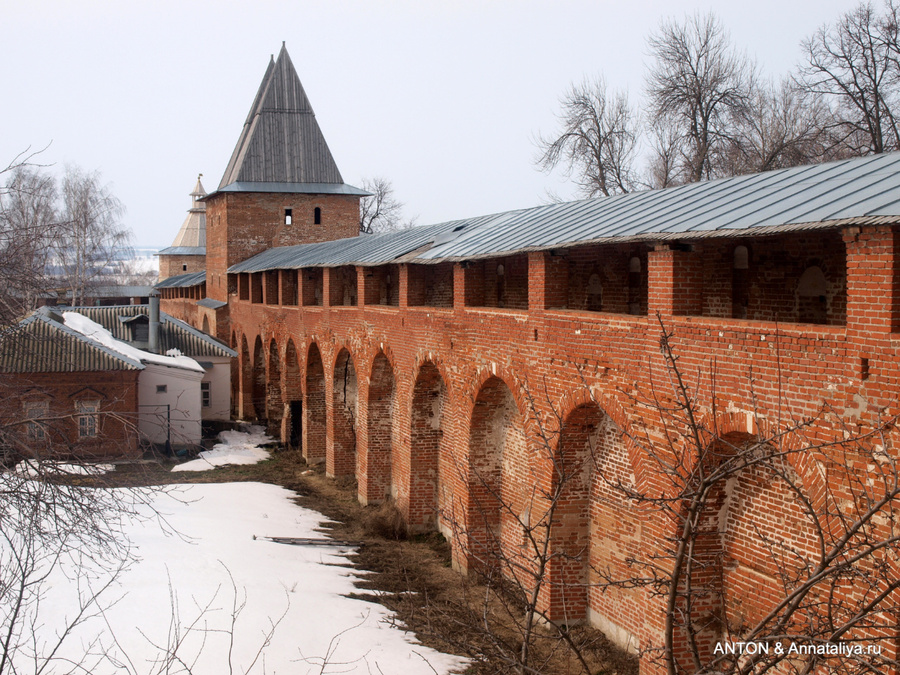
(855, 191)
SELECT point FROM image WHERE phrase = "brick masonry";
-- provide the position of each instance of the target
(446, 386)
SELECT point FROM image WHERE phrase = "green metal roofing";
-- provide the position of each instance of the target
(863, 190)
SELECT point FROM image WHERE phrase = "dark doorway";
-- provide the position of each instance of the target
(296, 424)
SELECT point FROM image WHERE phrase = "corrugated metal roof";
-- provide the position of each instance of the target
(41, 343)
(212, 304)
(855, 191)
(296, 188)
(183, 250)
(366, 249)
(183, 280)
(281, 142)
(173, 333)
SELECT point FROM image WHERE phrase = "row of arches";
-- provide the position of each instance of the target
(463, 456)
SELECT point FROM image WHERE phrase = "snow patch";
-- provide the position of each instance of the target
(97, 333)
(235, 447)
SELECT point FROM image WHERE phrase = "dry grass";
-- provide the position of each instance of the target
(410, 575)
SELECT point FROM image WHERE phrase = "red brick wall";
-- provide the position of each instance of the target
(475, 389)
(173, 265)
(116, 420)
(241, 224)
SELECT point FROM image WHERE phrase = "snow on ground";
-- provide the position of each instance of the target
(236, 447)
(221, 532)
(32, 469)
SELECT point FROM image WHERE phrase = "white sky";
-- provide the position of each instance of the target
(443, 98)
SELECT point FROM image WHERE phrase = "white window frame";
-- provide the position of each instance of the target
(87, 412)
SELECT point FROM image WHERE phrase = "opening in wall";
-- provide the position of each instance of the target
(317, 216)
(288, 216)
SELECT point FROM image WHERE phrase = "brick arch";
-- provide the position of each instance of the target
(423, 357)
(340, 457)
(258, 380)
(479, 377)
(375, 459)
(293, 395)
(803, 463)
(499, 484)
(274, 402)
(245, 387)
(430, 488)
(587, 446)
(314, 406)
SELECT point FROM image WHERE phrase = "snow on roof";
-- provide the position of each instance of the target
(97, 333)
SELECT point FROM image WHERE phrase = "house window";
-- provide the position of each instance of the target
(205, 394)
(162, 388)
(34, 412)
(288, 216)
(317, 216)
(87, 418)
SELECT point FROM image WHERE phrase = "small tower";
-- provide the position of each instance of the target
(187, 254)
(282, 186)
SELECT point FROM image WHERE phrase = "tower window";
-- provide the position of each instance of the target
(317, 216)
(184, 267)
(288, 216)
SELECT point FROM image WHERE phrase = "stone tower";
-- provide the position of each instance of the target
(281, 187)
(187, 254)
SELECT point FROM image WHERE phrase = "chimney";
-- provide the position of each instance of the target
(153, 342)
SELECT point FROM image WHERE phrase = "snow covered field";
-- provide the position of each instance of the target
(184, 579)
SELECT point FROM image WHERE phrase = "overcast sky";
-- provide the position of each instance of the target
(442, 98)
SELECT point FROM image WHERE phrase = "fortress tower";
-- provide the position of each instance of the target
(281, 186)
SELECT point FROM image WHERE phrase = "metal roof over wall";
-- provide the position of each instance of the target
(862, 190)
(183, 280)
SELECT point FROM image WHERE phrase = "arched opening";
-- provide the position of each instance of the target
(812, 296)
(580, 440)
(342, 461)
(426, 436)
(375, 476)
(274, 403)
(259, 381)
(501, 484)
(293, 392)
(245, 398)
(314, 417)
(317, 216)
(205, 327)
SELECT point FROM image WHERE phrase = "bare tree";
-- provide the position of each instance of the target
(381, 211)
(781, 128)
(596, 140)
(826, 578)
(91, 237)
(27, 228)
(699, 85)
(854, 66)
